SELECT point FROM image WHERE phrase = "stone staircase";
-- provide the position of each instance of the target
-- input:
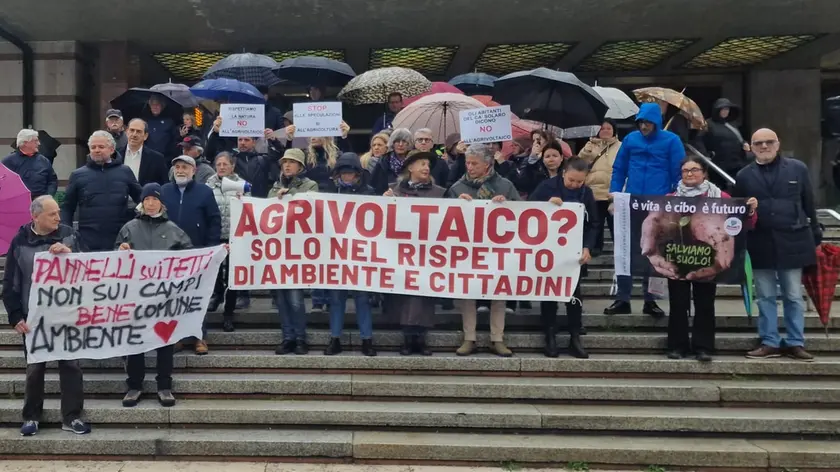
(628, 407)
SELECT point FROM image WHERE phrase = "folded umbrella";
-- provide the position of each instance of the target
(14, 207)
(254, 69)
(374, 86)
(621, 106)
(685, 105)
(551, 97)
(180, 93)
(227, 90)
(821, 280)
(748, 287)
(437, 87)
(438, 112)
(314, 70)
(474, 83)
(134, 102)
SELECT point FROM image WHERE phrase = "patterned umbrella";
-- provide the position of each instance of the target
(178, 92)
(14, 206)
(687, 107)
(475, 83)
(821, 280)
(313, 70)
(438, 112)
(437, 87)
(255, 69)
(621, 106)
(375, 85)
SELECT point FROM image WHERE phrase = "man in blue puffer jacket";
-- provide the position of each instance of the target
(648, 163)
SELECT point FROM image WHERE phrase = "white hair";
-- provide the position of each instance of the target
(401, 134)
(24, 136)
(484, 151)
(425, 131)
(103, 134)
(37, 205)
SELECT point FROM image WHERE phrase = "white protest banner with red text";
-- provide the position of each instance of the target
(446, 248)
(111, 304)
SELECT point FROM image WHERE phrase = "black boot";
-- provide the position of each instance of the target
(287, 347)
(551, 343)
(652, 309)
(367, 348)
(215, 301)
(333, 348)
(301, 348)
(405, 350)
(576, 347)
(618, 308)
(420, 345)
(227, 325)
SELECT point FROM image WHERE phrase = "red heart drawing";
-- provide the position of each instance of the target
(164, 329)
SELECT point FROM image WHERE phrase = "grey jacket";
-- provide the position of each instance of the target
(20, 261)
(223, 200)
(145, 233)
(499, 184)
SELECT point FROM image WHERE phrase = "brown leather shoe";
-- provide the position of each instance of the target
(499, 349)
(764, 352)
(201, 348)
(467, 348)
(799, 353)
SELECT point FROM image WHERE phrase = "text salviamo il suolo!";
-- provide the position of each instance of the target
(109, 302)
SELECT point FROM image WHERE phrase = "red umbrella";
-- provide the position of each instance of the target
(821, 280)
(437, 87)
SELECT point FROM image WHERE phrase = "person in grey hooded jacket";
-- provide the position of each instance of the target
(151, 231)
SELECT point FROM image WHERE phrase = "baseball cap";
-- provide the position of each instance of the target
(190, 141)
(113, 112)
(189, 160)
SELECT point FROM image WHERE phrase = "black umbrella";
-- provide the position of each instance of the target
(255, 69)
(48, 146)
(134, 102)
(314, 70)
(551, 97)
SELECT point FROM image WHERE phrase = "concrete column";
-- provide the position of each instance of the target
(115, 70)
(788, 101)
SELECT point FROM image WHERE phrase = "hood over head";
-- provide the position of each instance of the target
(650, 112)
(734, 110)
(348, 160)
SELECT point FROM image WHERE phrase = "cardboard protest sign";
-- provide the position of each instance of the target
(685, 238)
(413, 246)
(246, 120)
(486, 125)
(317, 119)
(112, 304)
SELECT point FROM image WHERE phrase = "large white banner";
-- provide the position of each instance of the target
(446, 248)
(111, 304)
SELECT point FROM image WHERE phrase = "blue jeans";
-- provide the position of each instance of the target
(292, 313)
(320, 297)
(790, 282)
(338, 301)
(625, 288)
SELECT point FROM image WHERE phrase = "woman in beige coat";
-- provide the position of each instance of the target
(600, 153)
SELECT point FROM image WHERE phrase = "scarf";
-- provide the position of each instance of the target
(419, 185)
(705, 189)
(395, 163)
(485, 191)
(342, 185)
(290, 182)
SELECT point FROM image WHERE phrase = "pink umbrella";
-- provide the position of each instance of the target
(14, 206)
(437, 87)
(438, 112)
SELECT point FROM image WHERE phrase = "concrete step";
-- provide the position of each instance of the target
(522, 364)
(491, 416)
(465, 388)
(409, 447)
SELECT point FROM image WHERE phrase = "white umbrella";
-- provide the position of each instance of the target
(621, 105)
(438, 112)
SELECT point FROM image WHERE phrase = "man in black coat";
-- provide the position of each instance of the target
(148, 165)
(34, 169)
(723, 141)
(781, 244)
(101, 190)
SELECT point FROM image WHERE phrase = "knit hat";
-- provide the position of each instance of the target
(150, 190)
(451, 140)
(296, 155)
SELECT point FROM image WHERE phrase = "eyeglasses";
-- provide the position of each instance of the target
(423, 140)
(768, 143)
(693, 170)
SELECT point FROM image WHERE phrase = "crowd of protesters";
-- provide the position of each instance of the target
(155, 177)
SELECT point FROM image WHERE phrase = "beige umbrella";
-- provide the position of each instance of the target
(438, 112)
(687, 107)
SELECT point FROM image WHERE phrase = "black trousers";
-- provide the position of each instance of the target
(221, 289)
(135, 367)
(72, 391)
(602, 207)
(574, 313)
(703, 329)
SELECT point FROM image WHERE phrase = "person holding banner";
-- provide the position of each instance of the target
(45, 233)
(258, 169)
(289, 302)
(388, 169)
(151, 231)
(481, 182)
(568, 187)
(416, 313)
(348, 179)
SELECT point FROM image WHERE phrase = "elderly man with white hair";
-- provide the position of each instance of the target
(44, 233)
(101, 190)
(481, 182)
(34, 169)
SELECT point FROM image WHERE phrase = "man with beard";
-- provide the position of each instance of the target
(115, 125)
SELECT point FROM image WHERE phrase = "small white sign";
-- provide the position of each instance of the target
(486, 125)
(244, 119)
(317, 119)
